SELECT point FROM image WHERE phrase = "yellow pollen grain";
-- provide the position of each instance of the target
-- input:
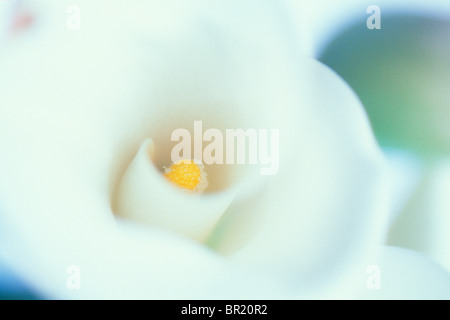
(184, 173)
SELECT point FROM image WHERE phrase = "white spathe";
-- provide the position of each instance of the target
(80, 104)
(145, 195)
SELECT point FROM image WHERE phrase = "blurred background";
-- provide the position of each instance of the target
(401, 73)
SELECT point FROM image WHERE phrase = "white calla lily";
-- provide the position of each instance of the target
(79, 105)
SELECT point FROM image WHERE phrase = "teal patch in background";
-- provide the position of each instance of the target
(12, 288)
(401, 73)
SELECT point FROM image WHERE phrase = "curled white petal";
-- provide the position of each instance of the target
(146, 196)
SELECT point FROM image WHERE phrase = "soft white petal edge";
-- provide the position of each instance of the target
(401, 274)
(423, 224)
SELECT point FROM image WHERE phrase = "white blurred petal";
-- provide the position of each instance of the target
(6, 17)
(328, 201)
(424, 222)
(403, 274)
(405, 173)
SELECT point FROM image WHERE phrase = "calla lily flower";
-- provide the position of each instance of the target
(78, 106)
